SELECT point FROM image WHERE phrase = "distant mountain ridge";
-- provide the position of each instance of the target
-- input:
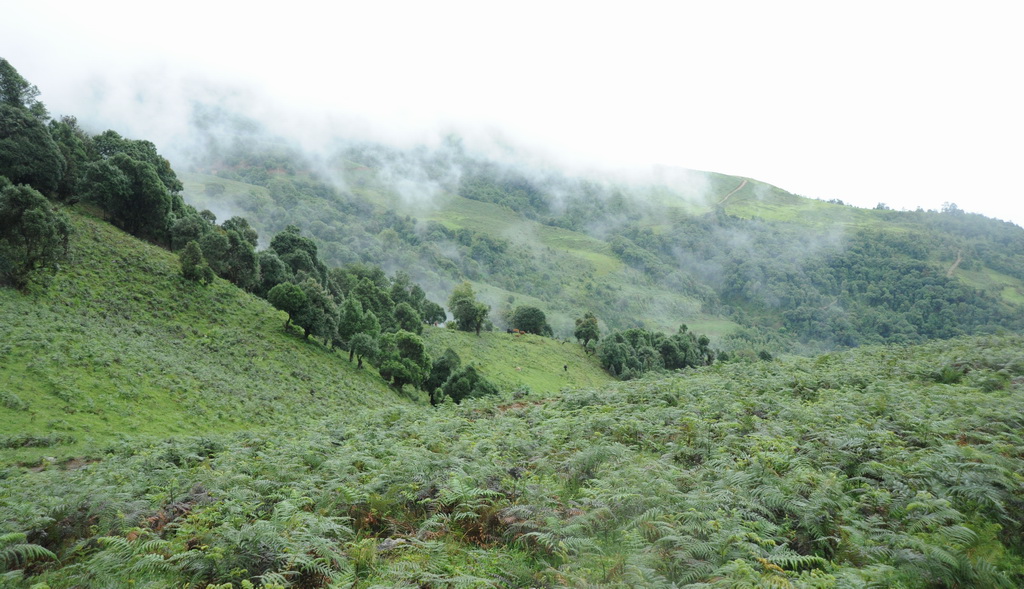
(733, 257)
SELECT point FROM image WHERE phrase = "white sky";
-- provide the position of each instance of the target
(907, 103)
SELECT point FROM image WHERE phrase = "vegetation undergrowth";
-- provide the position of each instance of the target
(882, 466)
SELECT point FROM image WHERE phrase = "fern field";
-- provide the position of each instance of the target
(879, 467)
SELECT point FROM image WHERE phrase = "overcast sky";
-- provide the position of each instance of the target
(907, 103)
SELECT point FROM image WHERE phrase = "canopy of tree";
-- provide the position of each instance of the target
(469, 313)
(530, 319)
(633, 352)
(33, 235)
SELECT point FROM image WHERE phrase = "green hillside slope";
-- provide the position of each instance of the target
(740, 260)
(520, 362)
(121, 345)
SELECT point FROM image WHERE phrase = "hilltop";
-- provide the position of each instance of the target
(121, 346)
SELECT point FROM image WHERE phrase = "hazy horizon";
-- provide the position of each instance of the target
(910, 105)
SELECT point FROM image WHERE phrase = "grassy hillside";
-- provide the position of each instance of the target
(521, 362)
(880, 467)
(730, 257)
(121, 345)
(577, 272)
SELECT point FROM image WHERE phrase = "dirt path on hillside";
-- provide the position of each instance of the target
(956, 264)
(734, 191)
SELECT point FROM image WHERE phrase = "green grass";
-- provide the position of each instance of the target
(585, 260)
(1008, 288)
(523, 362)
(496, 220)
(121, 345)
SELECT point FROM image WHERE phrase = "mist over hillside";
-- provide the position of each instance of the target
(737, 258)
(258, 387)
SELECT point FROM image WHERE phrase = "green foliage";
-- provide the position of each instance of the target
(28, 154)
(350, 321)
(466, 383)
(34, 236)
(109, 144)
(727, 476)
(404, 359)
(75, 146)
(272, 271)
(432, 313)
(290, 298)
(519, 363)
(194, 266)
(17, 92)
(441, 369)
(633, 352)
(299, 253)
(469, 314)
(364, 345)
(16, 552)
(319, 315)
(529, 319)
(408, 319)
(131, 193)
(587, 329)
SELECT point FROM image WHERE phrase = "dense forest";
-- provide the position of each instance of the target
(430, 368)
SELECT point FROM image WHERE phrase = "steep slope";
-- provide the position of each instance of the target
(121, 345)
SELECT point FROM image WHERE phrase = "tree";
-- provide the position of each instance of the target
(407, 318)
(299, 253)
(350, 322)
(405, 359)
(467, 383)
(587, 329)
(75, 146)
(28, 154)
(132, 194)
(245, 231)
(376, 300)
(364, 345)
(320, 314)
(469, 314)
(440, 371)
(34, 235)
(290, 298)
(188, 226)
(17, 92)
(432, 313)
(232, 255)
(272, 272)
(110, 143)
(531, 320)
(194, 266)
